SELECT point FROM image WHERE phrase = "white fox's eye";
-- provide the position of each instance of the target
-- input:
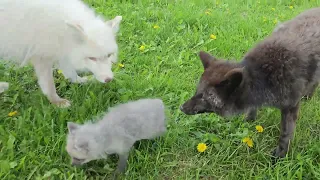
(92, 58)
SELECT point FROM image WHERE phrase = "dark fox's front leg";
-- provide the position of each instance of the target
(251, 114)
(311, 91)
(289, 117)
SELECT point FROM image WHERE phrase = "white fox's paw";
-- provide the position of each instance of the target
(3, 86)
(62, 103)
(82, 79)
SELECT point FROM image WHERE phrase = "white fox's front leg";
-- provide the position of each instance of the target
(3, 86)
(70, 73)
(44, 73)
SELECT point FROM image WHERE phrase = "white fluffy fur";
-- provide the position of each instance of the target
(62, 32)
(3, 86)
(117, 131)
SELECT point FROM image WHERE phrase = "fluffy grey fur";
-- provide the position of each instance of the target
(116, 132)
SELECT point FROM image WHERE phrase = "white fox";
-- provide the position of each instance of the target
(66, 33)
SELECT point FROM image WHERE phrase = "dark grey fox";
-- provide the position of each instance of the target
(277, 72)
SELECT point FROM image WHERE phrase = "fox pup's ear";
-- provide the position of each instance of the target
(72, 127)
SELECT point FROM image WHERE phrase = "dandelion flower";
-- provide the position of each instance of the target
(121, 65)
(142, 48)
(13, 113)
(275, 21)
(248, 141)
(201, 147)
(207, 12)
(156, 27)
(259, 128)
(273, 9)
(291, 7)
(59, 71)
(212, 36)
(264, 19)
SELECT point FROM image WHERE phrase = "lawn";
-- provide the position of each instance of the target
(171, 33)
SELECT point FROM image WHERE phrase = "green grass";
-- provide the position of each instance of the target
(32, 143)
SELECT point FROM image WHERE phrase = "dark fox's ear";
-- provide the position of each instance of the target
(232, 80)
(206, 59)
(235, 75)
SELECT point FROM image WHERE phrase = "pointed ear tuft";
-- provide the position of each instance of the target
(115, 23)
(206, 59)
(234, 74)
(232, 80)
(72, 127)
(77, 31)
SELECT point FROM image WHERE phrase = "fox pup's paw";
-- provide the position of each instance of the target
(62, 103)
(3, 86)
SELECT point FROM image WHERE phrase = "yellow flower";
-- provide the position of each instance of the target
(142, 48)
(264, 19)
(201, 147)
(212, 36)
(259, 128)
(121, 65)
(156, 27)
(273, 9)
(275, 21)
(248, 141)
(13, 113)
(291, 7)
(59, 71)
(208, 12)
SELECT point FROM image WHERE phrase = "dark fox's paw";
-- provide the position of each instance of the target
(278, 154)
(251, 115)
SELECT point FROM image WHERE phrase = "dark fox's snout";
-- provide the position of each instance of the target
(188, 108)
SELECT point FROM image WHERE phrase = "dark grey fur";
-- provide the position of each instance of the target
(277, 72)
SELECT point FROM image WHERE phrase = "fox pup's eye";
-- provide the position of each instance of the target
(78, 159)
(109, 55)
(92, 58)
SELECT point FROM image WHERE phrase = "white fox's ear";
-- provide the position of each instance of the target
(72, 127)
(114, 23)
(77, 31)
